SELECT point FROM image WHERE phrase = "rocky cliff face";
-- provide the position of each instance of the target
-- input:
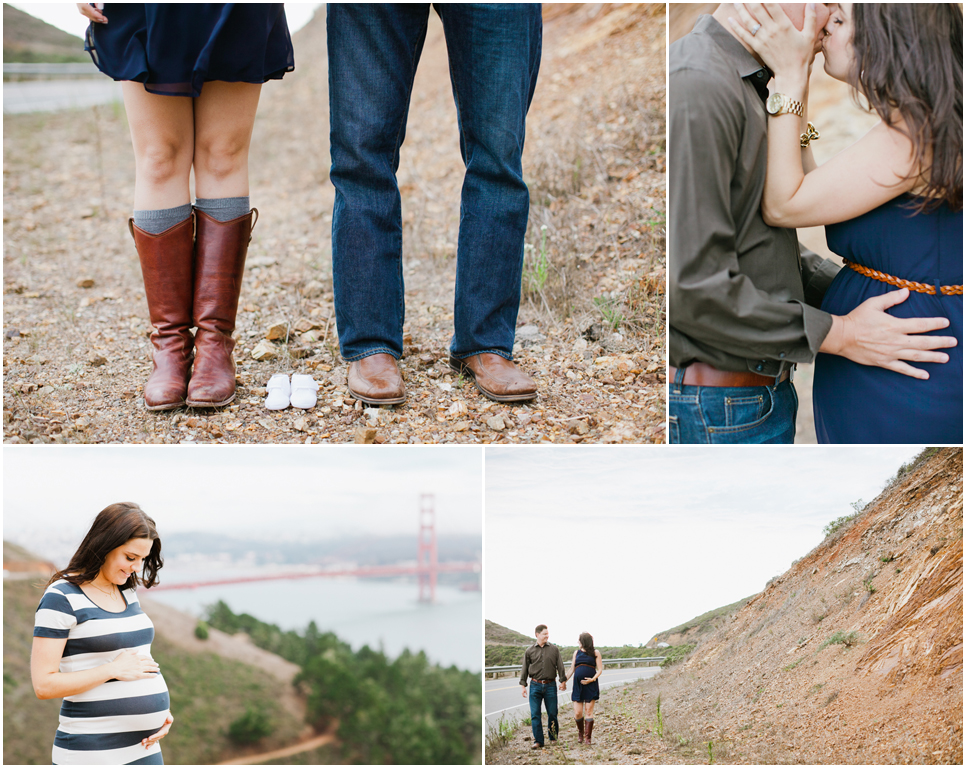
(856, 653)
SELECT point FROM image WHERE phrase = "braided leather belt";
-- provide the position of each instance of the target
(946, 290)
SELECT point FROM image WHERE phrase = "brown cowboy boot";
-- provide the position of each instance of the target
(590, 727)
(220, 250)
(580, 729)
(167, 261)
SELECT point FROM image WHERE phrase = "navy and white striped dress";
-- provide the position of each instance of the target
(104, 725)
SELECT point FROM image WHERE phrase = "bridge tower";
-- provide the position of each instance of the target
(427, 548)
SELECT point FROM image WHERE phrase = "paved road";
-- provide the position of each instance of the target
(503, 698)
(52, 95)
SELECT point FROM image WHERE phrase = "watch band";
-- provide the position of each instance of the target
(780, 104)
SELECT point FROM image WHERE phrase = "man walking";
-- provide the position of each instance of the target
(541, 664)
(494, 55)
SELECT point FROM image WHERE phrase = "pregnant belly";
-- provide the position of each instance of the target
(136, 705)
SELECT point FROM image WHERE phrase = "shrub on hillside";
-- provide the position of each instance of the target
(253, 726)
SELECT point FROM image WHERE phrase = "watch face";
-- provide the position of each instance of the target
(774, 103)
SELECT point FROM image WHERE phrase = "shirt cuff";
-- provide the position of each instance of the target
(818, 283)
(817, 326)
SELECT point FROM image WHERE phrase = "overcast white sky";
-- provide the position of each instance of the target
(65, 16)
(273, 492)
(626, 542)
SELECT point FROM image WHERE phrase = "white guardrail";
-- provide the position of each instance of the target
(78, 69)
(495, 672)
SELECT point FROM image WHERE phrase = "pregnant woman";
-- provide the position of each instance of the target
(192, 74)
(892, 203)
(92, 646)
(585, 667)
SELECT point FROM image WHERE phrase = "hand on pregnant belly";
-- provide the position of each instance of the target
(128, 666)
(154, 738)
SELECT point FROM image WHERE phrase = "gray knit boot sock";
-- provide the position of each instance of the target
(223, 208)
(156, 222)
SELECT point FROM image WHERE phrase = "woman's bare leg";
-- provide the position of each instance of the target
(223, 121)
(578, 709)
(162, 131)
(589, 708)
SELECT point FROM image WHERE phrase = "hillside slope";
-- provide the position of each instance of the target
(29, 39)
(497, 634)
(694, 630)
(212, 684)
(855, 654)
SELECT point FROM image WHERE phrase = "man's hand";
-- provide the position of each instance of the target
(870, 336)
(563, 686)
(524, 691)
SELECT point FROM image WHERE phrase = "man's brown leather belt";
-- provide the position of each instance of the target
(704, 375)
(544, 682)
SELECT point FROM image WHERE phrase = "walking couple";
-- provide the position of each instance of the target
(542, 665)
(745, 303)
(191, 76)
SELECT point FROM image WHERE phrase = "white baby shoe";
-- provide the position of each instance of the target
(304, 391)
(278, 392)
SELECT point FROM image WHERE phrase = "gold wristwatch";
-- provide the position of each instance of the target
(780, 104)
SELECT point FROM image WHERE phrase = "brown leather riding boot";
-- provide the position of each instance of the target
(167, 261)
(580, 729)
(220, 250)
(589, 722)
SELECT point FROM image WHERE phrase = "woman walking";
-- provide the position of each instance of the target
(585, 667)
(192, 74)
(92, 646)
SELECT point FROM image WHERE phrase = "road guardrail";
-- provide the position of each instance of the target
(495, 672)
(16, 70)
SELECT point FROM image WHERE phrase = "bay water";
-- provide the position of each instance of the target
(385, 615)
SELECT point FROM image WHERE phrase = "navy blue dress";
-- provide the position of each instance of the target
(585, 665)
(175, 48)
(863, 404)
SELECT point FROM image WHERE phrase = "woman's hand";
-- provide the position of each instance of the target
(128, 666)
(93, 12)
(154, 738)
(785, 50)
(587, 681)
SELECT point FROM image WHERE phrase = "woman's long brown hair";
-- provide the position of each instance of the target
(586, 642)
(909, 59)
(113, 527)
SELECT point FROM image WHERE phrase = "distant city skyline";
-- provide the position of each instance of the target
(627, 542)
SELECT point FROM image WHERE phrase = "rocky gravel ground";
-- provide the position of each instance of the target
(591, 330)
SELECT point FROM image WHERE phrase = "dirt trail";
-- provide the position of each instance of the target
(591, 328)
(305, 746)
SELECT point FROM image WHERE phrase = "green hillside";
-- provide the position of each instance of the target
(208, 693)
(26, 39)
(497, 634)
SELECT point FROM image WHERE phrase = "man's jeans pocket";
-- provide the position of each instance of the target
(732, 414)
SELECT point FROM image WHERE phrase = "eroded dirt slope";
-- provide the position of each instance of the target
(773, 685)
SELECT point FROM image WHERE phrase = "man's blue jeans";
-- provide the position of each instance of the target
(494, 54)
(728, 415)
(547, 693)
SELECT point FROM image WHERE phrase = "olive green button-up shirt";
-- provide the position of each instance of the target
(742, 295)
(542, 663)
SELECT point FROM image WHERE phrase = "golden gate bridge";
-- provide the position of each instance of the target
(426, 570)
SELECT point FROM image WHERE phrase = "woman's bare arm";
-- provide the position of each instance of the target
(50, 683)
